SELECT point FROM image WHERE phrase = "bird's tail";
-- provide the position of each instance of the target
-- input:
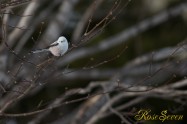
(40, 50)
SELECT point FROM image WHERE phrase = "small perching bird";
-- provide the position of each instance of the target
(58, 48)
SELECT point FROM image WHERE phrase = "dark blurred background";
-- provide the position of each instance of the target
(124, 56)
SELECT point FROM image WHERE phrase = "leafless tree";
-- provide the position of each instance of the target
(124, 56)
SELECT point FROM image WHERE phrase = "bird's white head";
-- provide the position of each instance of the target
(63, 44)
(62, 39)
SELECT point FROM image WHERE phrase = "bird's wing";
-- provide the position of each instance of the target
(52, 45)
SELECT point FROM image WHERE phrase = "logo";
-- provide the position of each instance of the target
(146, 115)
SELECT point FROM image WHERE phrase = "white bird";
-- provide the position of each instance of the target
(58, 48)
